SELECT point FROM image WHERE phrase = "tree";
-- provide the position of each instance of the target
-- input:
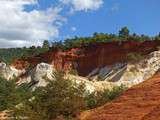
(45, 45)
(11, 95)
(124, 33)
(61, 97)
(57, 45)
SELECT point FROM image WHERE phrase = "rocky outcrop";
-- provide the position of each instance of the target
(104, 64)
(38, 76)
(9, 72)
(99, 55)
(129, 73)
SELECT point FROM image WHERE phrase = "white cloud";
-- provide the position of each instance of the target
(20, 28)
(83, 5)
(73, 29)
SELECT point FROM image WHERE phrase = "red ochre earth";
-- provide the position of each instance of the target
(87, 58)
(141, 102)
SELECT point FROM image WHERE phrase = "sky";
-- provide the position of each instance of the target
(29, 22)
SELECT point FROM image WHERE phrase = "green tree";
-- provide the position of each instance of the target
(124, 33)
(45, 45)
(59, 97)
(11, 95)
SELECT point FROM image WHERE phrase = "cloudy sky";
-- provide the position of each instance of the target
(29, 22)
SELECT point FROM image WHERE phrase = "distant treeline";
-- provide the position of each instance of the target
(10, 54)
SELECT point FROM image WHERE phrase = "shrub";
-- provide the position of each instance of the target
(134, 57)
(60, 97)
(78, 52)
(96, 99)
(10, 95)
(73, 72)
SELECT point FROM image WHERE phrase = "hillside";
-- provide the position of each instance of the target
(104, 68)
(140, 102)
(79, 60)
(87, 58)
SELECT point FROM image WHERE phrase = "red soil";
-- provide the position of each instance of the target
(92, 56)
(141, 102)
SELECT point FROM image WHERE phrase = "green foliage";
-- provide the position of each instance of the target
(57, 46)
(124, 33)
(9, 55)
(134, 57)
(45, 45)
(10, 95)
(60, 97)
(78, 52)
(73, 72)
(100, 98)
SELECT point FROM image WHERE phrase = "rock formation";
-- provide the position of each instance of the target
(87, 58)
(104, 64)
(9, 72)
(38, 75)
(129, 73)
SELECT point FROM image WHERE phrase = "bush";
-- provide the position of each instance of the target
(96, 99)
(60, 97)
(134, 57)
(78, 52)
(10, 95)
(73, 72)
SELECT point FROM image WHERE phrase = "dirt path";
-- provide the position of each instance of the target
(141, 102)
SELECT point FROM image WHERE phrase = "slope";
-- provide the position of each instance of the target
(140, 102)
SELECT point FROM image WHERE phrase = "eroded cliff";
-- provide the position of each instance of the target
(89, 57)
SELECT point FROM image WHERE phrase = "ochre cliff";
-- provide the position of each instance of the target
(89, 57)
(141, 102)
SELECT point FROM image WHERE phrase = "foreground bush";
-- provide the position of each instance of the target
(59, 98)
(10, 95)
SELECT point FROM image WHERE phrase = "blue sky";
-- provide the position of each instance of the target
(29, 22)
(141, 16)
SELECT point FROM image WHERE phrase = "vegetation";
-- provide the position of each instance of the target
(100, 98)
(135, 57)
(10, 95)
(59, 98)
(124, 33)
(10, 54)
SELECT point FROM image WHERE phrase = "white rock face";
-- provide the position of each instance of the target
(37, 76)
(9, 72)
(128, 74)
(98, 79)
